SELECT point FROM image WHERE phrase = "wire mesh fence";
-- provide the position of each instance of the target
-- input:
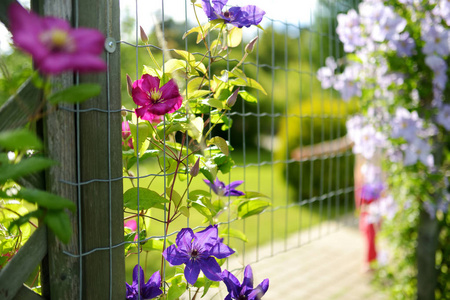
(289, 144)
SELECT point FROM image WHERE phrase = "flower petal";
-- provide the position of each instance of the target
(246, 16)
(211, 185)
(232, 283)
(184, 239)
(234, 184)
(149, 83)
(140, 97)
(174, 256)
(152, 288)
(220, 250)
(211, 269)
(207, 237)
(56, 63)
(248, 277)
(191, 271)
(259, 291)
(88, 40)
(137, 271)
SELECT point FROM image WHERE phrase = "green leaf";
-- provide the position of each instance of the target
(76, 93)
(253, 195)
(220, 143)
(176, 290)
(184, 211)
(24, 167)
(147, 199)
(248, 97)
(251, 207)
(154, 244)
(202, 209)
(58, 221)
(152, 71)
(45, 199)
(250, 83)
(173, 65)
(189, 57)
(176, 198)
(147, 154)
(230, 232)
(19, 139)
(234, 37)
(213, 103)
(196, 128)
(143, 131)
(24, 220)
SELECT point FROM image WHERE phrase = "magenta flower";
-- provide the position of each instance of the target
(153, 100)
(131, 224)
(245, 291)
(148, 290)
(196, 251)
(126, 135)
(238, 16)
(53, 44)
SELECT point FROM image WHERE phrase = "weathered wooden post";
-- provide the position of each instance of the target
(101, 210)
(87, 144)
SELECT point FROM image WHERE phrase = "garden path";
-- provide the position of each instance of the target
(327, 266)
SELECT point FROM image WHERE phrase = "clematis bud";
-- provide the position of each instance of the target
(144, 36)
(232, 99)
(249, 47)
(193, 1)
(123, 112)
(129, 85)
(195, 168)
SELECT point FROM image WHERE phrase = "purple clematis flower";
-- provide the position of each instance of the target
(238, 16)
(196, 250)
(53, 44)
(148, 290)
(224, 190)
(153, 100)
(245, 291)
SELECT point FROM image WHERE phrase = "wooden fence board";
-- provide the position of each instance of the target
(18, 109)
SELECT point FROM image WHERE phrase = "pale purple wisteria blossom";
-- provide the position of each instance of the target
(367, 140)
(389, 25)
(371, 172)
(347, 83)
(385, 207)
(436, 38)
(439, 67)
(326, 73)
(405, 124)
(443, 116)
(443, 9)
(418, 150)
(349, 30)
(404, 45)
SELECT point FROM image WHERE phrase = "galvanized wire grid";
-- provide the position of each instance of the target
(328, 186)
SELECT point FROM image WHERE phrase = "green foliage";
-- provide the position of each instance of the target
(311, 122)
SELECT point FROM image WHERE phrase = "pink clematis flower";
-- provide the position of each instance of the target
(53, 44)
(153, 100)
